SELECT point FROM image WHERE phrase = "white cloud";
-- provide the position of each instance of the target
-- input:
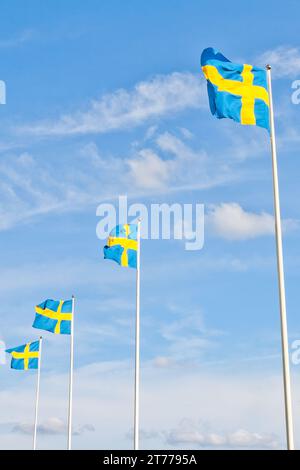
(189, 168)
(51, 426)
(149, 171)
(285, 61)
(172, 400)
(31, 186)
(243, 438)
(159, 96)
(162, 361)
(232, 222)
(174, 165)
(189, 433)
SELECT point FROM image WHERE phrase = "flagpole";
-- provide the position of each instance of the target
(37, 393)
(71, 377)
(282, 301)
(137, 343)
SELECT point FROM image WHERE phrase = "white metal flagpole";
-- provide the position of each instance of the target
(37, 393)
(282, 301)
(71, 377)
(137, 343)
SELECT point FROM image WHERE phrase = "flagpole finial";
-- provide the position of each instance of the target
(268, 67)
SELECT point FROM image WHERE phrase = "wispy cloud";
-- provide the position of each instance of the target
(159, 96)
(49, 274)
(30, 186)
(285, 61)
(51, 426)
(103, 398)
(187, 337)
(189, 433)
(22, 197)
(168, 164)
(148, 170)
(17, 40)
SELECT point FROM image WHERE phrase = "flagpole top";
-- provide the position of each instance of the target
(268, 67)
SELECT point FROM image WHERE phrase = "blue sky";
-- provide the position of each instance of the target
(106, 99)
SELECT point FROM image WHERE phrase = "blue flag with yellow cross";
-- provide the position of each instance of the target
(26, 356)
(236, 91)
(122, 245)
(54, 316)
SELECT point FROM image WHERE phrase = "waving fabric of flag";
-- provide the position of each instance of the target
(236, 91)
(25, 357)
(122, 245)
(54, 316)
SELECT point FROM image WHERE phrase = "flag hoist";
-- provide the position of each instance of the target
(123, 246)
(57, 316)
(26, 357)
(243, 93)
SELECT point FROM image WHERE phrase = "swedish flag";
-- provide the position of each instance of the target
(54, 316)
(236, 91)
(122, 245)
(26, 356)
